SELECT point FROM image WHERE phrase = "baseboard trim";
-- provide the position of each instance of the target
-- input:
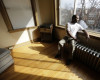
(37, 40)
(18, 45)
(22, 44)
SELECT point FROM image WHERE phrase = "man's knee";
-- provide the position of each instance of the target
(62, 42)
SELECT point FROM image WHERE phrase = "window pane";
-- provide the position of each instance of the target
(89, 11)
(20, 13)
(66, 10)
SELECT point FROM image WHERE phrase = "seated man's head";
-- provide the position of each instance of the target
(75, 19)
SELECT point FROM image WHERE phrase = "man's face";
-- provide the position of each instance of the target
(77, 18)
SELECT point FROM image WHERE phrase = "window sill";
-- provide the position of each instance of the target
(94, 35)
(61, 27)
(22, 29)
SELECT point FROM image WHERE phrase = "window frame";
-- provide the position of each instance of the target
(57, 12)
(7, 19)
(91, 32)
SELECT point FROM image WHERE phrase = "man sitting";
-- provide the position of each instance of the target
(71, 29)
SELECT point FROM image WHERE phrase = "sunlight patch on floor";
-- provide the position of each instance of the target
(46, 73)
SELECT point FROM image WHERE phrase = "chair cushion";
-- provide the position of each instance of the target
(4, 60)
(4, 52)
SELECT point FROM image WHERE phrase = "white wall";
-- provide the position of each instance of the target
(8, 39)
(46, 10)
(20, 13)
(45, 13)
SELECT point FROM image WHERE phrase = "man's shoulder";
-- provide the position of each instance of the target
(69, 23)
(78, 24)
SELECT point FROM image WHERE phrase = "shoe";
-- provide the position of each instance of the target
(58, 56)
(68, 62)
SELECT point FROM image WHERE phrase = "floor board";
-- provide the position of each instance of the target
(36, 62)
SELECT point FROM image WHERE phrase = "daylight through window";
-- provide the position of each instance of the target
(88, 10)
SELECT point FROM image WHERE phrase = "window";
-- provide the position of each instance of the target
(88, 10)
(66, 10)
(19, 13)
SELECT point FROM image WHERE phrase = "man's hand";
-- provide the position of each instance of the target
(77, 40)
(87, 37)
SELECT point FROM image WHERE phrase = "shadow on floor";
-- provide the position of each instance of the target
(10, 74)
(81, 70)
(48, 49)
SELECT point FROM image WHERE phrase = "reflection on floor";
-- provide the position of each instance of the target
(36, 62)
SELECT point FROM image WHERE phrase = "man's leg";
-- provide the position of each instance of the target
(71, 49)
(58, 55)
(60, 48)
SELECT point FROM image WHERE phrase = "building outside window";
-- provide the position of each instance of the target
(88, 10)
(66, 10)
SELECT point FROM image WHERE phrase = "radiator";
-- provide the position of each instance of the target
(88, 56)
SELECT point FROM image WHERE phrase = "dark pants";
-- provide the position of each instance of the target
(66, 47)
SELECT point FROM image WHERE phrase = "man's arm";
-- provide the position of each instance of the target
(68, 32)
(87, 35)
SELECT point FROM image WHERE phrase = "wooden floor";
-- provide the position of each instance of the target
(36, 62)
